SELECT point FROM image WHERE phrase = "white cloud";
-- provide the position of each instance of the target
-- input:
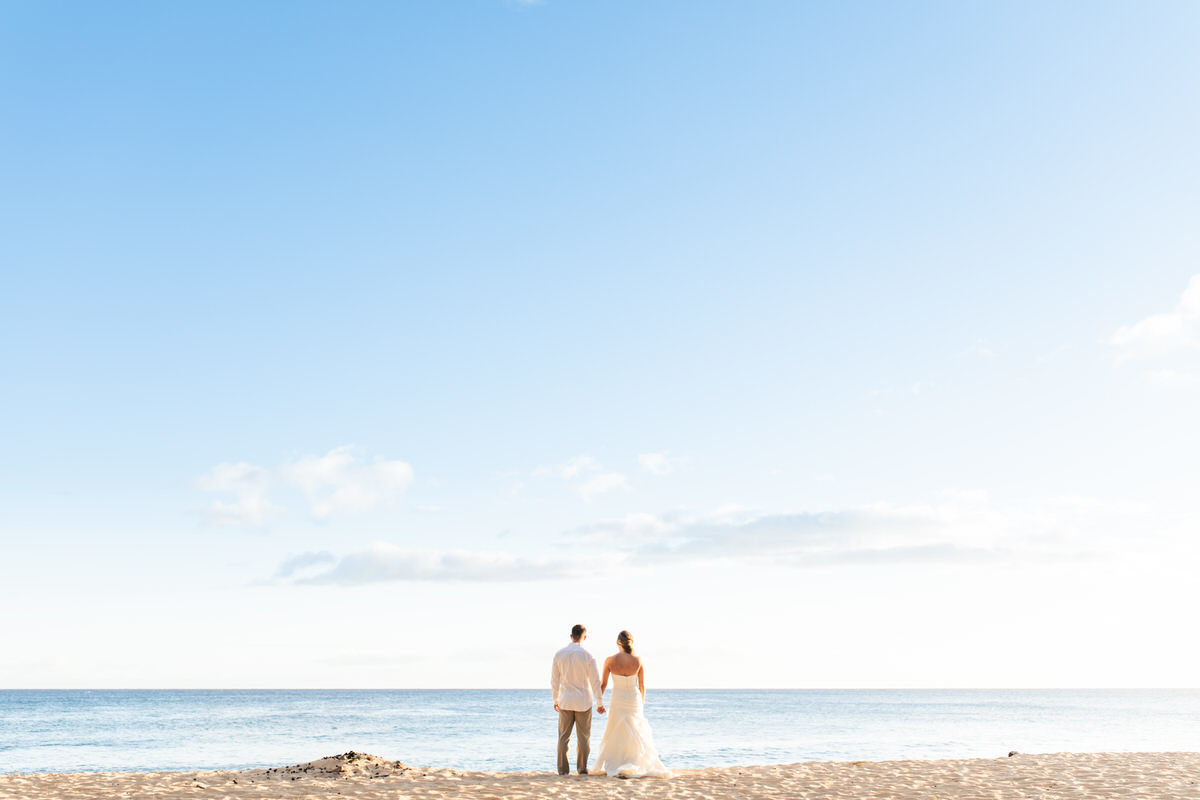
(1163, 336)
(658, 463)
(573, 469)
(334, 482)
(965, 526)
(730, 533)
(247, 486)
(295, 564)
(604, 482)
(384, 562)
(982, 350)
(587, 475)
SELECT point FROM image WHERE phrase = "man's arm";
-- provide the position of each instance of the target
(555, 681)
(597, 689)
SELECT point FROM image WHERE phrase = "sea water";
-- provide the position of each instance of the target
(503, 730)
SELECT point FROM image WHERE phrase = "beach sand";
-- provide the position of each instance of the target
(1161, 776)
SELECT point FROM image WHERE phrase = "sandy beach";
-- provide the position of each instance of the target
(1163, 776)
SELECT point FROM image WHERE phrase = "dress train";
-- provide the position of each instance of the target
(627, 749)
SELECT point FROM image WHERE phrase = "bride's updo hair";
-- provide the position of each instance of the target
(625, 641)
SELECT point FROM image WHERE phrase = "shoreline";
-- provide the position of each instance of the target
(1053, 776)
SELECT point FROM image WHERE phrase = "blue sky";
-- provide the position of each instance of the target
(377, 345)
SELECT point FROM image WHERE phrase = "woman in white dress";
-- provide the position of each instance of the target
(627, 749)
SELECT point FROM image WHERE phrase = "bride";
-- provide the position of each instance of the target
(627, 749)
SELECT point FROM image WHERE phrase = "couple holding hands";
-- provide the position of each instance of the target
(627, 748)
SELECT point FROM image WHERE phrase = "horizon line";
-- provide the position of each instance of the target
(658, 689)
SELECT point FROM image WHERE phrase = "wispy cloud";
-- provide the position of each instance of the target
(245, 487)
(335, 482)
(966, 528)
(572, 469)
(662, 463)
(604, 482)
(982, 350)
(587, 475)
(384, 562)
(1168, 335)
(825, 537)
(291, 566)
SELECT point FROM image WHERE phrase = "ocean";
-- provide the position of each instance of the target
(515, 730)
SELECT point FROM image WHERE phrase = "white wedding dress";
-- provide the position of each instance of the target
(627, 749)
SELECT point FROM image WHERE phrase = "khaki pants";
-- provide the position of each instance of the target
(582, 720)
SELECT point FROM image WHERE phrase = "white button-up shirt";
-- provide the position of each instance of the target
(574, 679)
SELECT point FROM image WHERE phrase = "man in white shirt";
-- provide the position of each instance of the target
(575, 683)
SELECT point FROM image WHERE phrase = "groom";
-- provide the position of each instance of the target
(575, 683)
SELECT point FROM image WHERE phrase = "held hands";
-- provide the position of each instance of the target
(600, 708)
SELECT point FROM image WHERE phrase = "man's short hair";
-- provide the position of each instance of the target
(577, 632)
